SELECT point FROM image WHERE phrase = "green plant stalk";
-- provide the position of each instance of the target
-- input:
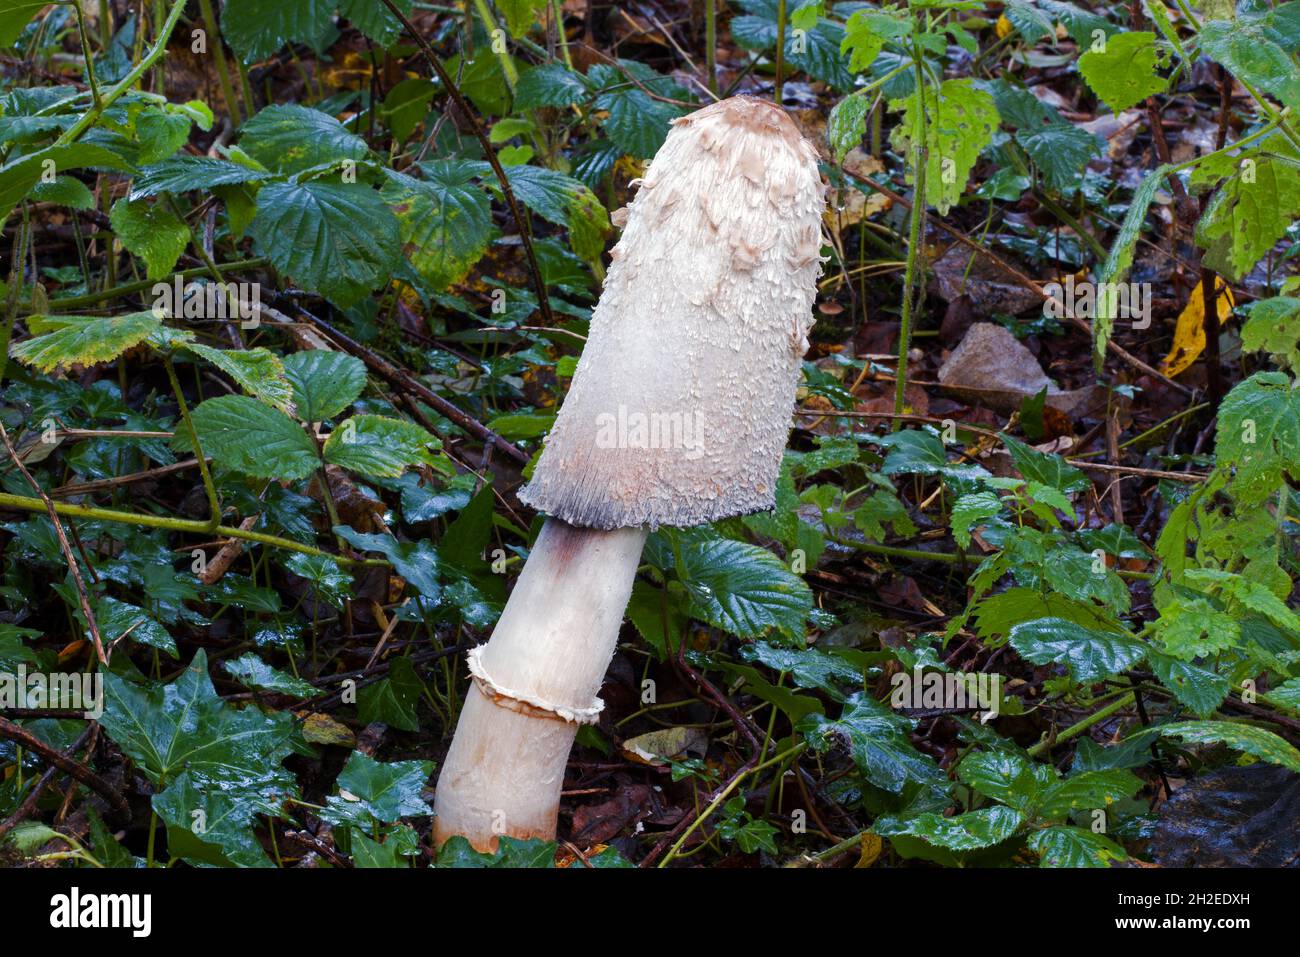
(503, 57)
(15, 285)
(87, 119)
(915, 233)
(214, 505)
(1076, 729)
(94, 514)
(711, 43)
(223, 68)
(557, 8)
(86, 54)
(127, 289)
(159, 73)
(105, 24)
(780, 51)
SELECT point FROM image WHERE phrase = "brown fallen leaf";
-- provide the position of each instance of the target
(656, 748)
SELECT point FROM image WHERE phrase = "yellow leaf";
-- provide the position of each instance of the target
(1003, 27)
(1189, 336)
(322, 729)
(872, 845)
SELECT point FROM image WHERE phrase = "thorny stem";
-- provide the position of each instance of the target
(214, 505)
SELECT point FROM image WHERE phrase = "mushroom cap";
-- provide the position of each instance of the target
(682, 400)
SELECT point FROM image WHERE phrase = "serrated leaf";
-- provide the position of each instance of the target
(1123, 72)
(1086, 790)
(743, 589)
(520, 14)
(566, 202)
(971, 831)
(324, 382)
(1250, 53)
(816, 52)
(847, 125)
(82, 339)
(255, 29)
(183, 173)
(257, 371)
(1246, 738)
(65, 191)
(417, 562)
(444, 220)
(550, 84)
(1060, 152)
(1273, 326)
(878, 740)
(1195, 687)
(338, 239)
(376, 445)
(960, 120)
(292, 138)
(1051, 470)
(251, 437)
(1065, 846)
(374, 19)
(1259, 435)
(807, 667)
(1006, 776)
(971, 509)
(19, 175)
(1090, 655)
(152, 232)
(1251, 211)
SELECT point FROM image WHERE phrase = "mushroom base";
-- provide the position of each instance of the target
(535, 681)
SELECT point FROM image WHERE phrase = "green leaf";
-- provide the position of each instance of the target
(117, 618)
(1006, 776)
(1246, 738)
(417, 562)
(18, 176)
(444, 220)
(152, 232)
(1060, 152)
(1196, 688)
(878, 740)
(637, 123)
(185, 726)
(255, 29)
(292, 138)
(371, 854)
(1066, 846)
(371, 790)
(816, 52)
(566, 202)
(1250, 53)
(406, 105)
(160, 134)
(393, 700)
(374, 19)
(1079, 23)
(257, 371)
(338, 239)
(183, 173)
(963, 832)
(324, 382)
(1251, 211)
(252, 672)
(511, 852)
(1117, 265)
(550, 84)
(1259, 435)
(520, 14)
(82, 339)
(742, 588)
(807, 667)
(1086, 790)
(960, 120)
(65, 191)
(14, 18)
(1123, 72)
(970, 510)
(847, 125)
(211, 822)
(1090, 655)
(251, 437)
(1273, 326)
(1051, 470)
(378, 446)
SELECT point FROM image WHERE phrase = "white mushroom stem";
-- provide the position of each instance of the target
(535, 683)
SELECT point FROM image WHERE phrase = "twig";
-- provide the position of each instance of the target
(65, 764)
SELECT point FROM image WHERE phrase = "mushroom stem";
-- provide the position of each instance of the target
(535, 683)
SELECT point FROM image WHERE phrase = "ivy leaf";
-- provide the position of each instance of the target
(210, 822)
(185, 726)
(1123, 72)
(511, 852)
(252, 672)
(291, 138)
(338, 239)
(375, 791)
(253, 438)
(1090, 655)
(1067, 846)
(971, 831)
(566, 202)
(1060, 152)
(960, 120)
(417, 562)
(152, 232)
(393, 700)
(255, 29)
(86, 340)
(918, 452)
(378, 446)
(257, 371)
(1195, 687)
(742, 588)
(1245, 738)
(1259, 435)
(116, 618)
(324, 382)
(878, 740)
(444, 220)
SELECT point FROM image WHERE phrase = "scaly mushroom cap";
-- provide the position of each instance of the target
(681, 403)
